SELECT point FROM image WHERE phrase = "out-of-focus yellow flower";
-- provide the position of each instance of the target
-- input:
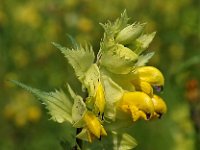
(20, 57)
(3, 18)
(138, 104)
(160, 107)
(28, 14)
(85, 24)
(34, 113)
(100, 99)
(93, 125)
(43, 51)
(21, 110)
(8, 76)
(20, 119)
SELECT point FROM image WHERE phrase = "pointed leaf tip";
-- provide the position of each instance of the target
(58, 103)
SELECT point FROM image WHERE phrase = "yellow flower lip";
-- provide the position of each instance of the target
(159, 106)
(139, 104)
(151, 75)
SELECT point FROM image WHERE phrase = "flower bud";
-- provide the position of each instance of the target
(130, 33)
(93, 124)
(100, 99)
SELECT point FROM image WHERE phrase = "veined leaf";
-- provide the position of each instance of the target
(119, 59)
(143, 59)
(58, 103)
(81, 58)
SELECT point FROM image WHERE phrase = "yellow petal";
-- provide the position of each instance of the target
(159, 106)
(143, 86)
(151, 75)
(103, 131)
(100, 99)
(138, 104)
(92, 123)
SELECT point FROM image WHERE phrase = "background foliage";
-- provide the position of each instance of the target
(27, 29)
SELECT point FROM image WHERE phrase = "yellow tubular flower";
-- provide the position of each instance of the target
(151, 75)
(159, 106)
(100, 99)
(93, 125)
(138, 104)
(143, 86)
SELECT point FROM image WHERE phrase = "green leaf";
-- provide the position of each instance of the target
(130, 33)
(91, 79)
(143, 59)
(111, 29)
(123, 141)
(142, 43)
(118, 59)
(81, 58)
(78, 108)
(83, 135)
(58, 103)
(113, 93)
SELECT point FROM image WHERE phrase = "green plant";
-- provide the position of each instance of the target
(117, 84)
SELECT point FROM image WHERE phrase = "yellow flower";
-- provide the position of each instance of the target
(100, 99)
(34, 113)
(85, 24)
(151, 75)
(93, 125)
(143, 86)
(146, 77)
(138, 104)
(159, 106)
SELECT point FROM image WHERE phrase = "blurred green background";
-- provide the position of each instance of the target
(27, 29)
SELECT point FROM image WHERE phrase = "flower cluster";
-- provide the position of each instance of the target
(117, 83)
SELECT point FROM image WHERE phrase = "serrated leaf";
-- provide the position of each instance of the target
(58, 103)
(111, 29)
(81, 58)
(143, 59)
